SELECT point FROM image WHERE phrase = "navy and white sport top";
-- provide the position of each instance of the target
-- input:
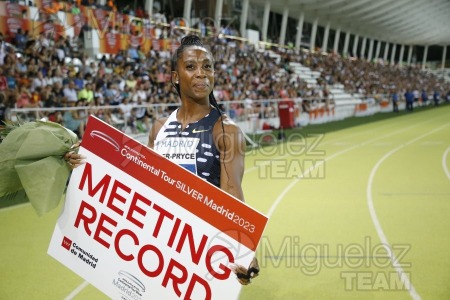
(193, 148)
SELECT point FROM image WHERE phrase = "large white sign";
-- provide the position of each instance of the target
(137, 226)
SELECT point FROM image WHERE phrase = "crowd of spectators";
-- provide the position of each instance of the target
(379, 78)
(128, 87)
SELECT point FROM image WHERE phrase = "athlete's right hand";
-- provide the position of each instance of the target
(74, 159)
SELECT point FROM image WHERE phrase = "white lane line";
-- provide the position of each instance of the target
(77, 290)
(296, 180)
(403, 277)
(268, 161)
(336, 140)
(444, 162)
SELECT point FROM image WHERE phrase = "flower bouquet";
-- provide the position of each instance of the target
(32, 165)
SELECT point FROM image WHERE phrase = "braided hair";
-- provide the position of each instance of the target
(191, 41)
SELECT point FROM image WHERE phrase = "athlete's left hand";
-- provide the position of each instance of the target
(245, 275)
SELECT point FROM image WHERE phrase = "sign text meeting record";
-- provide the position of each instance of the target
(137, 226)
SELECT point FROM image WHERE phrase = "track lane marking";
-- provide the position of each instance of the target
(296, 180)
(403, 276)
(444, 163)
(325, 143)
(77, 290)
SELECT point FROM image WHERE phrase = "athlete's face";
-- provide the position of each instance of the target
(195, 74)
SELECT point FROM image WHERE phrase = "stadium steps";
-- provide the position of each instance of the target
(337, 90)
(305, 74)
(342, 98)
(441, 73)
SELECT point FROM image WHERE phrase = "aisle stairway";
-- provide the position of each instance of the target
(337, 90)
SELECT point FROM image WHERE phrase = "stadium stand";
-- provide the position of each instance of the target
(249, 80)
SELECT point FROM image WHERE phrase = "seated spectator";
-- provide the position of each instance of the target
(24, 80)
(32, 66)
(58, 91)
(131, 82)
(56, 76)
(41, 43)
(20, 40)
(3, 82)
(82, 112)
(73, 121)
(10, 58)
(70, 92)
(39, 81)
(125, 109)
(86, 94)
(126, 93)
(48, 97)
(141, 54)
(141, 114)
(79, 81)
(11, 81)
(119, 58)
(88, 79)
(24, 98)
(55, 117)
(140, 93)
(91, 69)
(36, 97)
(133, 54)
(109, 68)
(112, 95)
(98, 95)
(96, 109)
(21, 66)
(53, 65)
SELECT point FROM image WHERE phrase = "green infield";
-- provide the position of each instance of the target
(359, 209)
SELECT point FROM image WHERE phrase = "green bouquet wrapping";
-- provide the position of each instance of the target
(32, 164)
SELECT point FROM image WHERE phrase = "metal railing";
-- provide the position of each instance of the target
(249, 114)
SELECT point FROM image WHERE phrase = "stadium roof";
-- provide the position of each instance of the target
(408, 22)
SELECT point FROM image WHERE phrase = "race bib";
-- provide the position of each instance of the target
(180, 150)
